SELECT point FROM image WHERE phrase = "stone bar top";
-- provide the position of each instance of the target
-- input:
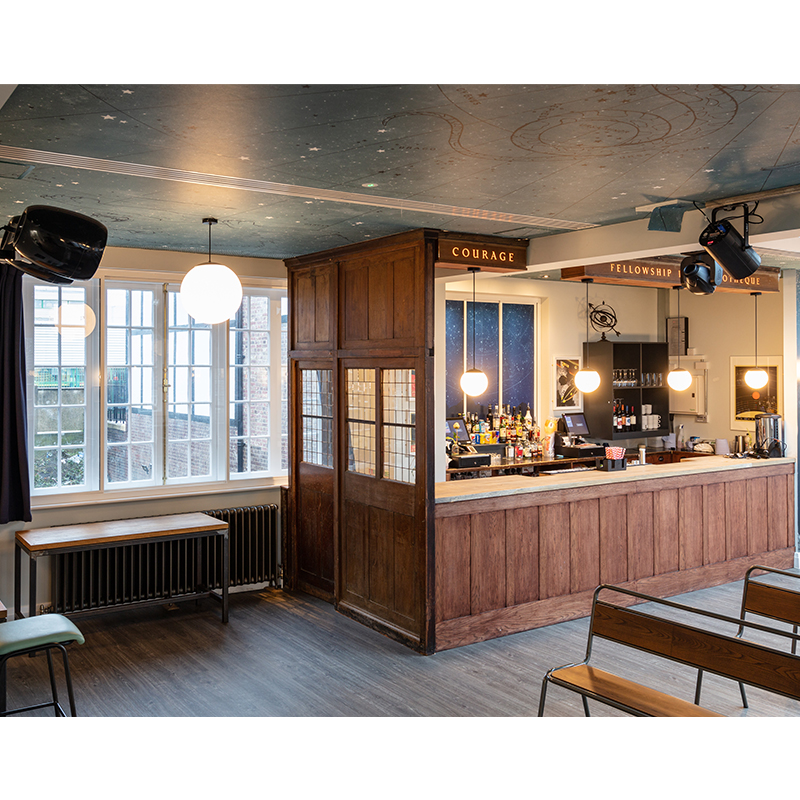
(478, 488)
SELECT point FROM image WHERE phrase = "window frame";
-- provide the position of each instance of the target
(538, 375)
(97, 489)
(91, 388)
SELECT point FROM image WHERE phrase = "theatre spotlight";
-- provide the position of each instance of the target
(727, 247)
(700, 274)
(54, 244)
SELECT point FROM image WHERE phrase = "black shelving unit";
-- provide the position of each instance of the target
(632, 360)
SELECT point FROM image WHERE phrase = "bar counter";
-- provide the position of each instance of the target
(519, 552)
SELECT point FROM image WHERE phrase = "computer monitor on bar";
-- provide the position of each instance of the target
(575, 425)
(456, 428)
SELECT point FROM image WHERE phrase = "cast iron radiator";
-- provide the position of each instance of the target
(130, 573)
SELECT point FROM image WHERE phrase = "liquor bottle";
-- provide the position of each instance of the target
(496, 418)
(615, 416)
(503, 431)
(528, 419)
(633, 419)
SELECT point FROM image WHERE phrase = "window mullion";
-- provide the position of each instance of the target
(164, 371)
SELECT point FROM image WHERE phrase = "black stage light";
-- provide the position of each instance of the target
(700, 274)
(728, 248)
(56, 245)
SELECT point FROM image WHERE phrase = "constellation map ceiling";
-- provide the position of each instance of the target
(290, 170)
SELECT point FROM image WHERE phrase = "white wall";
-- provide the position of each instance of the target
(721, 326)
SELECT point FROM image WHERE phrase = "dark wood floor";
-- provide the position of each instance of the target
(286, 655)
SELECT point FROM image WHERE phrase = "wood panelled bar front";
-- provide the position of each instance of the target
(522, 552)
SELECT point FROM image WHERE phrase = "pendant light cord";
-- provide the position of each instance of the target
(587, 281)
(209, 221)
(678, 290)
(755, 301)
(473, 270)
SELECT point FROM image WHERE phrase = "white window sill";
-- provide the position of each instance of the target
(66, 499)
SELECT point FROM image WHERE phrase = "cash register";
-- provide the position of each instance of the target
(465, 454)
(569, 439)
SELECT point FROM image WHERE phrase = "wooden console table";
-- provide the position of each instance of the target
(39, 542)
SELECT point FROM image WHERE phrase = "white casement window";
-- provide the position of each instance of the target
(62, 396)
(258, 418)
(148, 397)
(130, 386)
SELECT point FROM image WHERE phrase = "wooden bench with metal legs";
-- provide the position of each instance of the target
(727, 655)
(765, 600)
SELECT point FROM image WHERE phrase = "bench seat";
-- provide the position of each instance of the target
(634, 697)
(650, 630)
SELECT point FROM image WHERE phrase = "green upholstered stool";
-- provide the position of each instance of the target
(32, 635)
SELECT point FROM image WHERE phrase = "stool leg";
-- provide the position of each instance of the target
(68, 676)
(53, 687)
(3, 686)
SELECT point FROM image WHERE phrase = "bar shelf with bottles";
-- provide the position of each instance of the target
(632, 401)
(511, 427)
(512, 443)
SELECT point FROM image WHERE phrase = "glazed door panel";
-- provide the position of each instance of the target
(382, 533)
(313, 503)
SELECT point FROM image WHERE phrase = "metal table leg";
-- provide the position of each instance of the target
(17, 581)
(32, 585)
(226, 574)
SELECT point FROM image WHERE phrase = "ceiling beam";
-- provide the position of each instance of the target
(6, 90)
(633, 240)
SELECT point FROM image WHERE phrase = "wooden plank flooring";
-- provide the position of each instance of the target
(291, 655)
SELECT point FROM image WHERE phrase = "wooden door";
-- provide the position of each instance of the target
(313, 544)
(382, 527)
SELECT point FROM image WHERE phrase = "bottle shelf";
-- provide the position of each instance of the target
(631, 359)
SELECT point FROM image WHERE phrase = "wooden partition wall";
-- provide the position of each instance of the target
(361, 451)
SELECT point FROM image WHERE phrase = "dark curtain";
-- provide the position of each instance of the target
(15, 493)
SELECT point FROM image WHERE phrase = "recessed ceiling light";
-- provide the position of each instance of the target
(369, 185)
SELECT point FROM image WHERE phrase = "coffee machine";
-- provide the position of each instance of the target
(769, 436)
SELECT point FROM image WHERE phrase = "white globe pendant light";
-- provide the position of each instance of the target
(473, 382)
(679, 379)
(587, 380)
(211, 292)
(756, 378)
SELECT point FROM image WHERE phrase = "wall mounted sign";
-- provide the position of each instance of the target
(664, 273)
(491, 254)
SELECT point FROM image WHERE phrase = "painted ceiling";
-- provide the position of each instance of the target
(293, 169)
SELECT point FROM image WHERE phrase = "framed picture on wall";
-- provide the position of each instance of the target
(567, 396)
(747, 403)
